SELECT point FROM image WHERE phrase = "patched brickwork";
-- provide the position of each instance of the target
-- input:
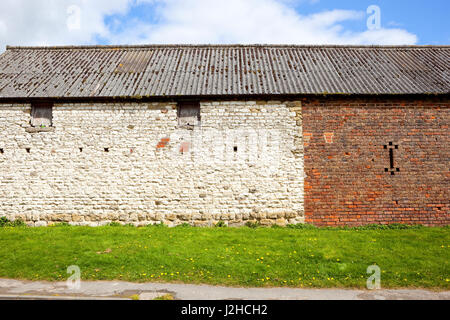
(132, 163)
(350, 179)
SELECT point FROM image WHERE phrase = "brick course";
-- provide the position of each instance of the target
(345, 161)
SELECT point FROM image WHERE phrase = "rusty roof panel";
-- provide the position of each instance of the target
(202, 70)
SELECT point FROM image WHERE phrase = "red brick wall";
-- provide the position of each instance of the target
(345, 161)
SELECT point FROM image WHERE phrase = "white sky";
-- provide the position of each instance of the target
(48, 22)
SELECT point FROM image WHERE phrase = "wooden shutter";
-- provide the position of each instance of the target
(188, 114)
(41, 116)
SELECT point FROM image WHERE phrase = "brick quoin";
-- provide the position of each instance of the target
(347, 155)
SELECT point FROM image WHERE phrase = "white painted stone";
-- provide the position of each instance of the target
(137, 181)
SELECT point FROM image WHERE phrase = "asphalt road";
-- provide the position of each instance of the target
(100, 290)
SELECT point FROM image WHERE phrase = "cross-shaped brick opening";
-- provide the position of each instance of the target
(392, 169)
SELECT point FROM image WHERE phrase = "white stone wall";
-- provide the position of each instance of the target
(244, 163)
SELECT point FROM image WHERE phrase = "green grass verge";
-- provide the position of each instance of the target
(165, 297)
(295, 257)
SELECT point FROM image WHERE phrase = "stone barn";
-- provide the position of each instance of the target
(328, 135)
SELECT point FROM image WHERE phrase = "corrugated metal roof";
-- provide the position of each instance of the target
(202, 70)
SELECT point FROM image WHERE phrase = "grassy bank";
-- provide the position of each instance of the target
(295, 257)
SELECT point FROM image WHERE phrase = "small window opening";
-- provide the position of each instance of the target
(81, 149)
(42, 115)
(392, 168)
(106, 149)
(188, 114)
(391, 157)
(2, 151)
(235, 149)
(28, 150)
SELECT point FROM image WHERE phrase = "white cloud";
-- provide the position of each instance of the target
(394, 24)
(3, 29)
(382, 36)
(44, 22)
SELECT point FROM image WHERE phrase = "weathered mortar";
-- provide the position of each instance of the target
(346, 161)
(153, 171)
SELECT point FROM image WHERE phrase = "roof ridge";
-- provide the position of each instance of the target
(149, 46)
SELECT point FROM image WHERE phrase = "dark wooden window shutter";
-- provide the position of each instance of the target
(188, 114)
(41, 115)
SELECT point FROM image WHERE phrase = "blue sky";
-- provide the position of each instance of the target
(426, 19)
(429, 20)
(74, 22)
